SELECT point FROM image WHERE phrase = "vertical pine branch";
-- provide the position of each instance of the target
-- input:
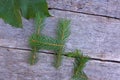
(63, 33)
(39, 23)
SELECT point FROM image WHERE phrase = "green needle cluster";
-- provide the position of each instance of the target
(79, 64)
(39, 41)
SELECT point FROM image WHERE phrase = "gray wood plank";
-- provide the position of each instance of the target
(97, 37)
(98, 7)
(97, 70)
(15, 37)
(14, 66)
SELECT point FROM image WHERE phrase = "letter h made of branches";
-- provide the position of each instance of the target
(39, 41)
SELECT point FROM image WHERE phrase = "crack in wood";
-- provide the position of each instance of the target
(52, 53)
(84, 13)
(113, 61)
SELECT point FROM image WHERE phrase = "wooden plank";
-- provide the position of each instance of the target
(98, 7)
(14, 66)
(97, 37)
(97, 70)
(15, 37)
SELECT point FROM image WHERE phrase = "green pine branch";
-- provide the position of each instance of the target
(79, 65)
(39, 23)
(63, 32)
(39, 41)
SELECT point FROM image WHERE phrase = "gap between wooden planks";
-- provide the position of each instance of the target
(105, 8)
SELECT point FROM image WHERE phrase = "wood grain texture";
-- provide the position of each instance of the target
(98, 7)
(14, 66)
(97, 37)
(97, 70)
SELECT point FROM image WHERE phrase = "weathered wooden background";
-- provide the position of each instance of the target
(95, 29)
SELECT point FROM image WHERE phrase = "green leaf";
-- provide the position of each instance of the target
(29, 8)
(12, 10)
(9, 13)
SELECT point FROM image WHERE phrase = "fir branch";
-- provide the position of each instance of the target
(80, 61)
(40, 41)
(79, 65)
(63, 33)
(39, 23)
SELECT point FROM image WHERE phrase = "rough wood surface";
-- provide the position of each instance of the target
(14, 66)
(98, 7)
(97, 37)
